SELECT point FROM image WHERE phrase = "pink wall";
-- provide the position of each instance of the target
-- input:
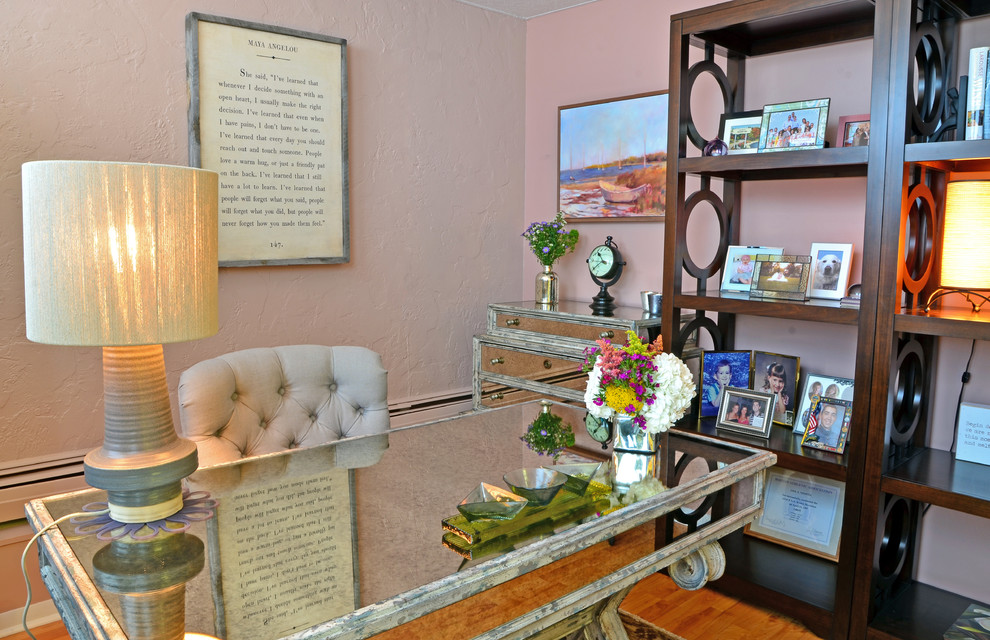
(596, 51)
(436, 187)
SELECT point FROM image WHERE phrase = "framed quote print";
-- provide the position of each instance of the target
(268, 112)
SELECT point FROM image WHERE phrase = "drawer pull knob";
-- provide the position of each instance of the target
(496, 396)
(606, 334)
(512, 322)
(498, 361)
(547, 364)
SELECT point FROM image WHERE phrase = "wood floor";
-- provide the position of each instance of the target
(694, 615)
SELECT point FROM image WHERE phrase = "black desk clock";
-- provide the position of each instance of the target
(605, 264)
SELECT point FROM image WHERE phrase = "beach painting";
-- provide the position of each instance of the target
(613, 158)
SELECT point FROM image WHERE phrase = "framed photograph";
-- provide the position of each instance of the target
(777, 375)
(612, 158)
(794, 125)
(720, 370)
(741, 131)
(828, 425)
(801, 511)
(815, 387)
(268, 112)
(737, 273)
(854, 131)
(745, 411)
(830, 267)
(780, 276)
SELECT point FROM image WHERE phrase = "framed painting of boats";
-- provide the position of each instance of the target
(612, 158)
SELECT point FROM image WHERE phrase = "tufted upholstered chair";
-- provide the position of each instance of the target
(258, 401)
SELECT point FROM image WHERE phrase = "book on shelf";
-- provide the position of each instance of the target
(975, 100)
(973, 624)
(849, 301)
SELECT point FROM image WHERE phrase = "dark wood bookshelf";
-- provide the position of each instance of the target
(749, 29)
(741, 303)
(785, 443)
(764, 573)
(948, 322)
(918, 612)
(847, 599)
(842, 162)
(935, 477)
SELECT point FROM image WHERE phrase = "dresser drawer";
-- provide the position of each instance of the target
(552, 327)
(496, 394)
(518, 364)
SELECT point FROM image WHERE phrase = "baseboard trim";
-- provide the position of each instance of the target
(427, 408)
(39, 614)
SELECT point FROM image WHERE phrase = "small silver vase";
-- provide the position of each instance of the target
(634, 453)
(546, 287)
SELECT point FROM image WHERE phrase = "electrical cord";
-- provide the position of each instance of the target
(27, 582)
(955, 428)
(965, 379)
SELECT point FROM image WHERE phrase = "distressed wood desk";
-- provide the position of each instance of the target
(301, 547)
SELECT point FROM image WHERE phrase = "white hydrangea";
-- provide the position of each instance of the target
(673, 391)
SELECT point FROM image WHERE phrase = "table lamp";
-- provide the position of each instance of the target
(966, 235)
(124, 256)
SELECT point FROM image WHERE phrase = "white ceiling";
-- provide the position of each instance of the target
(525, 8)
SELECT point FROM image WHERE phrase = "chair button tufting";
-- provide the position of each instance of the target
(333, 386)
(233, 396)
(281, 391)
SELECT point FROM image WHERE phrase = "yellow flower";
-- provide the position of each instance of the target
(619, 398)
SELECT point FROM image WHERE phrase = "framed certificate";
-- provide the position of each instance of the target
(268, 112)
(801, 511)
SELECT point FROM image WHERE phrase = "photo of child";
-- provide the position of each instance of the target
(721, 369)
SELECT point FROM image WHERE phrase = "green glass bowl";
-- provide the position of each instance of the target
(579, 475)
(488, 502)
(536, 484)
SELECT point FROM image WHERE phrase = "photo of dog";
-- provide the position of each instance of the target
(830, 264)
(827, 269)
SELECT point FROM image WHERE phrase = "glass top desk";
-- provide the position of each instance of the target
(302, 547)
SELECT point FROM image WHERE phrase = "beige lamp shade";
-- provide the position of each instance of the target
(119, 253)
(966, 236)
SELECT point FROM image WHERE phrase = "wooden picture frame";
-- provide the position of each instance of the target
(831, 264)
(740, 264)
(778, 375)
(802, 512)
(781, 277)
(791, 126)
(721, 370)
(745, 411)
(833, 416)
(268, 112)
(741, 131)
(853, 131)
(612, 158)
(816, 386)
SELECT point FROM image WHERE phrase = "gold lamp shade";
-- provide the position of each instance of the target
(124, 256)
(966, 237)
(119, 253)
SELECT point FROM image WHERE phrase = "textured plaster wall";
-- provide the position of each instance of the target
(436, 185)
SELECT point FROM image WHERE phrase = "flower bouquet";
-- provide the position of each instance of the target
(549, 241)
(548, 435)
(638, 380)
